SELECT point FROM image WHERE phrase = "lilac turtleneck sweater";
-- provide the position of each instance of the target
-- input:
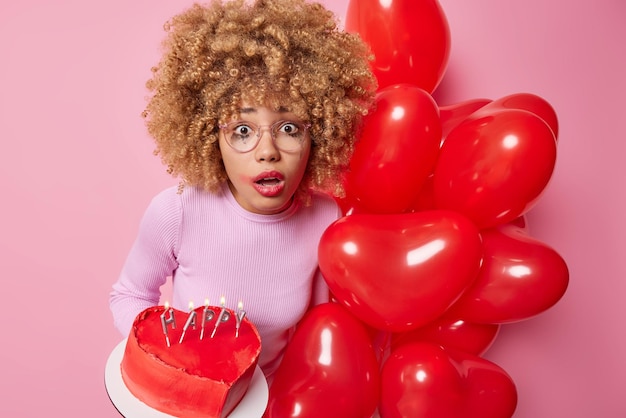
(211, 246)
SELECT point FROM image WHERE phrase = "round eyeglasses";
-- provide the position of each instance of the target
(244, 136)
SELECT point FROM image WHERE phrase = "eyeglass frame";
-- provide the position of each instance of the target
(258, 132)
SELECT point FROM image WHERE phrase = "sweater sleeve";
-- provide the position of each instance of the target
(321, 293)
(151, 260)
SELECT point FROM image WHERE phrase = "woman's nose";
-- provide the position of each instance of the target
(266, 149)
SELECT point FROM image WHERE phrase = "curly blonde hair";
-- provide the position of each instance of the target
(282, 54)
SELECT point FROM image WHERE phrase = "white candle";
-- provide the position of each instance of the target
(223, 316)
(191, 321)
(240, 315)
(166, 321)
(207, 315)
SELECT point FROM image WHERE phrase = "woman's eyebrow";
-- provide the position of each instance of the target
(248, 110)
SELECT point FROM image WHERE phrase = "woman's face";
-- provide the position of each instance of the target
(264, 179)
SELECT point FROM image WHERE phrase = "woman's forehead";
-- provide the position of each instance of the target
(273, 104)
(249, 111)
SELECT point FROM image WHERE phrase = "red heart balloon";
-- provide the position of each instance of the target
(425, 199)
(329, 369)
(410, 39)
(401, 271)
(529, 102)
(494, 166)
(396, 151)
(453, 114)
(451, 333)
(520, 278)
(421, 380)
(490, 392)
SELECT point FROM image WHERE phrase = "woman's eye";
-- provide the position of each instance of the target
(289, 128)
(242, 130)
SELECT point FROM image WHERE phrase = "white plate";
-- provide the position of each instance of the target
(251, 406)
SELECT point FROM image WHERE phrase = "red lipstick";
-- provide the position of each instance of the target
(269, 183)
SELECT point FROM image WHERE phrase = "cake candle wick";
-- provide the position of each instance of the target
(166, 321)
(207, 315)
(223, 316)
(191, 321)
(240, 315)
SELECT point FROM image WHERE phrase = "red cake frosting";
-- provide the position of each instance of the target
(197, 377)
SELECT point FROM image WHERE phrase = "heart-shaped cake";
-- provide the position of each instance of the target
(181, 364)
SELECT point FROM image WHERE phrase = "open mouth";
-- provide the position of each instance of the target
(269, 184)
(268, 181)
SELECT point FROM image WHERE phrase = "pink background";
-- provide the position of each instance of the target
(77, 172)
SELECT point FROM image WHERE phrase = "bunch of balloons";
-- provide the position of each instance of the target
(433, 254)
